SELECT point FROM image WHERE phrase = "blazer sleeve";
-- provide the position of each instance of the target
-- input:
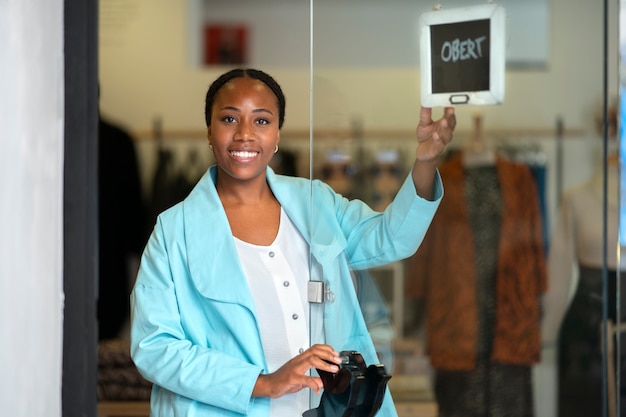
(377, 238)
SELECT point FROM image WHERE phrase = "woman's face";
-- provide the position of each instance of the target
(244, 128)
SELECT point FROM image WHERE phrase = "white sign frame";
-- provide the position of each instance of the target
(495, 94)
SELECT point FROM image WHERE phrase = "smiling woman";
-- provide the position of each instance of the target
(247, 344)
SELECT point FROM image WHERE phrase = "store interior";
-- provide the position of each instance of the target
(350, 71)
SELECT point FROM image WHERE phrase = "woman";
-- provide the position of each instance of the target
(221, 319)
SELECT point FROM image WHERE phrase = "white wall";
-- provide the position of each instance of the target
(31, 195)
(363, 34)
(147, 70)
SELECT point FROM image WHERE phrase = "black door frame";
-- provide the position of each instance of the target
(80, 234)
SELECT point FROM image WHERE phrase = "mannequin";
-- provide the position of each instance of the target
(573, 304)
(477, 151)
(479, 273)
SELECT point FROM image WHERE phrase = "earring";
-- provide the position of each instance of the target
(276, 149)
(210, 146)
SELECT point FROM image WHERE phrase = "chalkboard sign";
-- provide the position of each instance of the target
(462, 56)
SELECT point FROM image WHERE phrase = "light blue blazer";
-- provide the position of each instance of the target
(194, 330)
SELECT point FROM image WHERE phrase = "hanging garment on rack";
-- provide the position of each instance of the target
(285, 162)
(122, 219)
(163, 174)
(539, 172)
(533, 156)
(481, 272)
(173, 182)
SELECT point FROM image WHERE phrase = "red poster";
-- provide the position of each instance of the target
(225, 44)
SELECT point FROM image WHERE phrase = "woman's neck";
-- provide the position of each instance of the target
(253, 192)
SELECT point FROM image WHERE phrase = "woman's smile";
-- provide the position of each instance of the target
(243, 155)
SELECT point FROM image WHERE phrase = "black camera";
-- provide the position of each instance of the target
(356, 390)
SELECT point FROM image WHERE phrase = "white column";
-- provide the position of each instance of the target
(31, 207)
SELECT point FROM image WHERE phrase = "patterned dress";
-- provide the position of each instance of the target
(491, 389)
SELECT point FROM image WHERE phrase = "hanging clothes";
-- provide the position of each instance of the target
(172, 181)
(122, 216)
(533, 156)
(480, 272)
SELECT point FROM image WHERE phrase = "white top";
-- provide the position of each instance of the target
(277, 276)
